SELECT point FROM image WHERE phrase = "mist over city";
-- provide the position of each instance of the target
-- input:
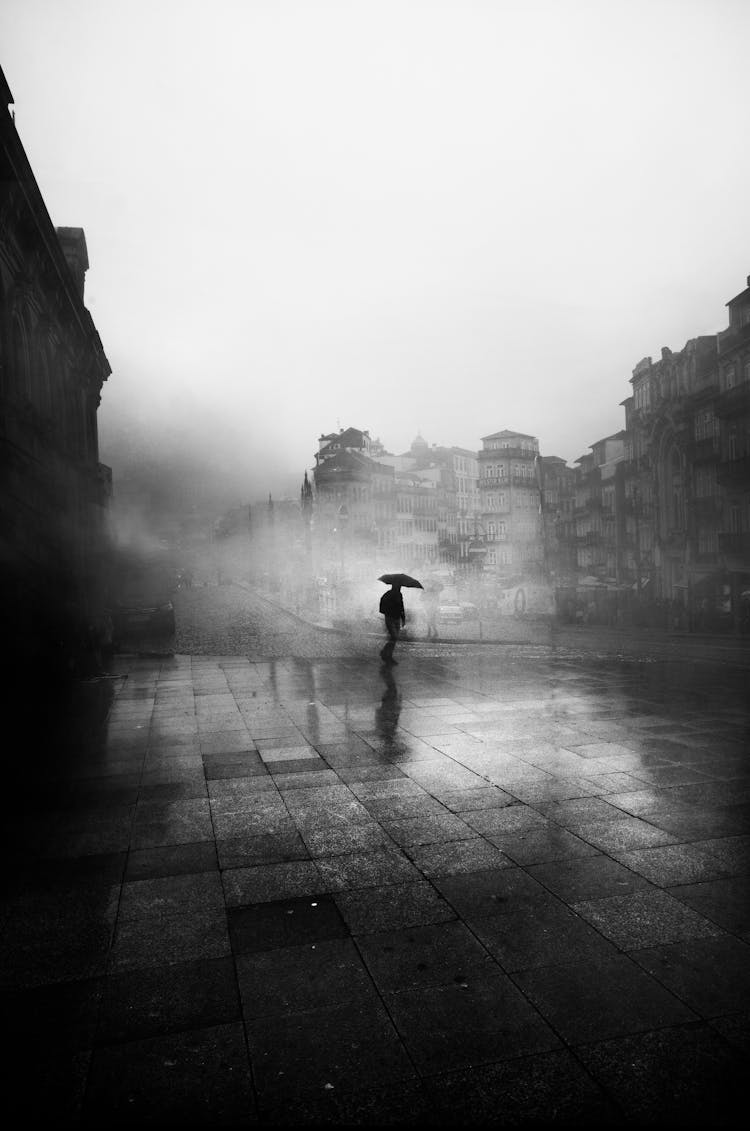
(375, 561)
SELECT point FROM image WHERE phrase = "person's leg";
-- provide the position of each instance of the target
(392, 628)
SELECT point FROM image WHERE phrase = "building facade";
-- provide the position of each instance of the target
(510, 526)
(55, 493)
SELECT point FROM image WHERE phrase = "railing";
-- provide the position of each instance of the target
(733, 337)
(509, 453)
(735, 544)
(734, 472)
(707, 448)
(733, 401)
(707, 504)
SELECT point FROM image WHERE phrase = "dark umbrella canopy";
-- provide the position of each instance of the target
(401, 579)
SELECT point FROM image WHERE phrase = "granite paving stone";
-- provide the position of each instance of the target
(735, 1029)
(575, 812)
(284, 923)
(548, 934)
(616, 837)
(309, 976)
(732, 853)
(392, 907)
(680, 1076)
(265, 882)
(586, 1002)
(432, 829)
(512, 819)
(176, 822)
(171, 895)
(280, 845)
(333, 841)
(197, 1077)
(674, 863)
(480, 1020)
(644, 918)
(725, 902)
(162, 999)
(452, 858)
(157, 940)
(337, 1046)
(365, 869)
(432, 955)
(498, 891)
(540, 845)
(546, 1089)
(711, 975)
(241, 786)
(590, 877)
(475, 799)
(56, 935)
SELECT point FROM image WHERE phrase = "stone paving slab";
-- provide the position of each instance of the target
(314, 891)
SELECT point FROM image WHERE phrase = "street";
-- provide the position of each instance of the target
(254, 886)
(228, 620)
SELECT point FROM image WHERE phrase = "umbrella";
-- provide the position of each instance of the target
(401, 579)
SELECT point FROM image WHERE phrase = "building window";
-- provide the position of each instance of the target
(705, 425)
(728, 377)
(705, 482)
(707, 542)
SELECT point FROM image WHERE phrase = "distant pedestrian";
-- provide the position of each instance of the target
(431, 609)
(392, 608)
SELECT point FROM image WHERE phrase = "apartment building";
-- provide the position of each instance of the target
(54, 537)
(509, 524)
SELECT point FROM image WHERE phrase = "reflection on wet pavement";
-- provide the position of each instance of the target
(490, 867)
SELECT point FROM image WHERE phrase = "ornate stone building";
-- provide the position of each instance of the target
(511, 527)
(55, 493)
(686, 478)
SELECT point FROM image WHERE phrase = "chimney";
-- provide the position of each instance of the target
(73, 243)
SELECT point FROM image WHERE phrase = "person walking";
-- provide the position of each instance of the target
(392, 608)
(432, 608)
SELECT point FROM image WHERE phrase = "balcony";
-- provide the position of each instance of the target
(590, 538)
(736, 545)
(674, 542)
(509, 453)
(730, 339)
(705, 450)
(707, 506)
(734, 472)
(637, 507)
(733, 402)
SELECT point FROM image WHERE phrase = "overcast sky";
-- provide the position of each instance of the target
(446, 217)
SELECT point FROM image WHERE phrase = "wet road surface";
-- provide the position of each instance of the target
(307, 891)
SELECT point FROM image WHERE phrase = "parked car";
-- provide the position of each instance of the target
(451, 614)
(458, 611)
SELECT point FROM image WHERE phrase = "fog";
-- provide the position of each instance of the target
(441, 217)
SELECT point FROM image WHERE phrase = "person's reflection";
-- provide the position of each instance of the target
(386, 715)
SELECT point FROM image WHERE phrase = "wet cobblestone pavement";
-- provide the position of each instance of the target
(228, 620)
(489, 887)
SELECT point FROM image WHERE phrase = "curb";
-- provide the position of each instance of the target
(729, 643)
